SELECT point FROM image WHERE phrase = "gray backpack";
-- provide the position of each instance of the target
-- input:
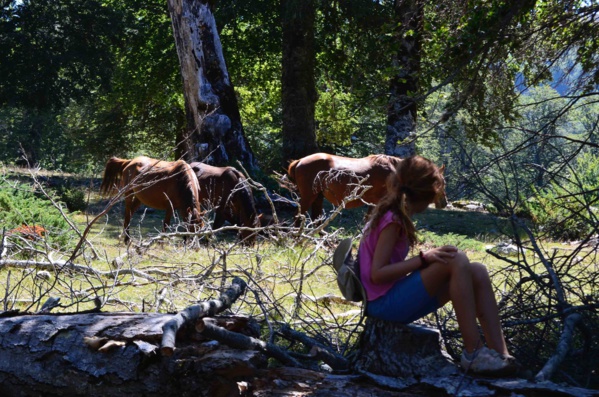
(348, 272)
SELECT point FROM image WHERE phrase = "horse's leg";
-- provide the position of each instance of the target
(305, 202)
(317, 206)
(219, 218)
(131, 205)
(167, 218)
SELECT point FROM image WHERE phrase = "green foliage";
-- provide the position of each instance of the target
(333, 112)
(55, 51)
(567, 210)
(20, 205)
(73, 197)
(84, 80)
(464, 243)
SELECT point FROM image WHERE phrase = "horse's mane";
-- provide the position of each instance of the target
(383, 159)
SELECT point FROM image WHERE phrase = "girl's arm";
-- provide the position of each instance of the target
(382, 271)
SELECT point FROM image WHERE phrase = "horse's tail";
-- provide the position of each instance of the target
(291, 170)
(192, 192)
(113, 176)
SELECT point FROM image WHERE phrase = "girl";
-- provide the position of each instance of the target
(404, 290)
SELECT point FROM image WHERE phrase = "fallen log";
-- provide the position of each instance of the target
(209, 329)
(111, 354)
(59, 355)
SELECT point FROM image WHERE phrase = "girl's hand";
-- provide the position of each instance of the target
(440, 254)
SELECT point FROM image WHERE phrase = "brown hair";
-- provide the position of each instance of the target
(416, 179)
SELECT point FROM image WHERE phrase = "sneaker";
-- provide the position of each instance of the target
(488, 362)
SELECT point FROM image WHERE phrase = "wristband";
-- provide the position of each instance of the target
(423, 260)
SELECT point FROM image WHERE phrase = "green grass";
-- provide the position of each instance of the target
(277, 270)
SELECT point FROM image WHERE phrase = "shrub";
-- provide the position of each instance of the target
(73, 197)
(558, 214)
(19, 206)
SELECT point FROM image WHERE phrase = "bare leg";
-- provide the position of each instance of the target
(453, 281)
(486, 308)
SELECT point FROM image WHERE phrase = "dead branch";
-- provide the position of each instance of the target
(193, 313)
(317, 350)
(82, 236)
(61, 265)
(238, 341)
(563, 347)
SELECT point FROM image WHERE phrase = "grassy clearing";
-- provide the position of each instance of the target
(280, 269)
(290, 277)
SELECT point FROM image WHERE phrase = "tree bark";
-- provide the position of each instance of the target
(214, 131)
(404, 351)
(117, 354)
(402, 110)
(298, 87)
(112, 354)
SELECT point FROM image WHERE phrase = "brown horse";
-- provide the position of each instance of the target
(323, 175)
(225, 189)
(163, 185)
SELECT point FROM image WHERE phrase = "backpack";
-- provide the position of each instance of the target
(348, 272)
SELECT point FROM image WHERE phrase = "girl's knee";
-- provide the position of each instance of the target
(479, 272)
(460, 261)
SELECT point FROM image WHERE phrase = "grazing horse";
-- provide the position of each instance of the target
(225, 189)
(323, 175)
(163, 185)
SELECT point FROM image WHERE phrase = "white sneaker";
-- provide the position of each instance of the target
(487, 362)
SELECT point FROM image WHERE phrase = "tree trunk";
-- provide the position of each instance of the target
(117, 354)
(402, 110)
(404, 351)
(112, 354)
(298, 87)
(214, 131)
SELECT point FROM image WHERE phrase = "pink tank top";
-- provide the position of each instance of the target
(367, 246)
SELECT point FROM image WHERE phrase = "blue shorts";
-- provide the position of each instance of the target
(405, 302)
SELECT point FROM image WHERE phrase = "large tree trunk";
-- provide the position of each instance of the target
(70, 355)
(402, 110)
(117, 354)
(298, 89)
(214, 131)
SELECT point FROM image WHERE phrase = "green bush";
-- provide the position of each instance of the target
(19, 205)
(73, 197)
(558, 214)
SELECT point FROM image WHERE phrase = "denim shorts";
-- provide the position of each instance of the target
(405, 302)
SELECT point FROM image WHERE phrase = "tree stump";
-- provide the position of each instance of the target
(402, 351)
